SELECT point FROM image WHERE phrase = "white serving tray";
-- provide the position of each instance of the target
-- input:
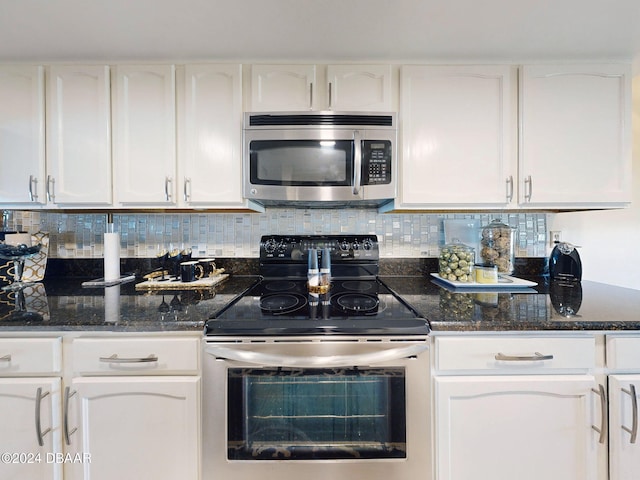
(505, 282)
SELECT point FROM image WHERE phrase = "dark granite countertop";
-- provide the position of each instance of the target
(597, 306)
(64, 304)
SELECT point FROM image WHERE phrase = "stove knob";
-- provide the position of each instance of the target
(345, 246)
(356, 246)
(367, 244)
(270, 245)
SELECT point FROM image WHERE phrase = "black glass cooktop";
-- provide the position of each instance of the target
(284, 307)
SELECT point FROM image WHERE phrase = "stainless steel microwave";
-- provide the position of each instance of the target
(320, 158)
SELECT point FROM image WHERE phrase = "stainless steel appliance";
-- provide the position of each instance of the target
(320, 158)
(298, 385)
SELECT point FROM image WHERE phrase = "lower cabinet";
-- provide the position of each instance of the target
(517, 407)
(134, 427)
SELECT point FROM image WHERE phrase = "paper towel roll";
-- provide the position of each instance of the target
(111, 257)
(112, 304)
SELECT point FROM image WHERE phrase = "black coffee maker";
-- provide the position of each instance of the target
(565, 263)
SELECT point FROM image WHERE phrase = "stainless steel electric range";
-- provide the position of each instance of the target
(316, 386)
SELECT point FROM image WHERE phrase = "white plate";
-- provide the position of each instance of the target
(505, 282)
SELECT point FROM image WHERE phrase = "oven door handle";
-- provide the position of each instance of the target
(277, 360)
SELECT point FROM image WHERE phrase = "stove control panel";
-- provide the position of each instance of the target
(295, 248)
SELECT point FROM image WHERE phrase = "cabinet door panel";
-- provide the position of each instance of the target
(575, 134)
(211, 161)
(359, 88)
(79, 135)
(457, 145)
(282, 87)
(145, 135)
(18, 399)
(22, 148)
(624, 456)
(524, 427)
(136, 427)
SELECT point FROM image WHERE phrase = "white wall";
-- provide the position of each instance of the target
(610, 240)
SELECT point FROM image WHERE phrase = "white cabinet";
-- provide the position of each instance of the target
(79, 135)
(516, 407)
(144, 135)
(575, 135)
(22, 136)
(359, 88)
(134, 405)
(353, 88)
(210, 139)
(458, 129)
(282, 87)
(623, 360)
(30, 408)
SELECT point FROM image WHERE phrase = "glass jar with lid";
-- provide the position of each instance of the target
(498, 246)
(455, 262)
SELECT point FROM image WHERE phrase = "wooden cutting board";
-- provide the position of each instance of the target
(200, 284)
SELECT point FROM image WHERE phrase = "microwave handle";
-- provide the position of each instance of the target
(277, 360)
(357, 162)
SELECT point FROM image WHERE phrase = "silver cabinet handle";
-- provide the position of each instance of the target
(33, 188)
(39, 433)
(330, 96)
(168, 181)
(187, 189)
(51, 188)
(6, 358)
(528, 188)
(537, 356)
(510, 189)
(357, 163)
(604, 425)
(311, 96)
(65, 421)
(634, 405)
(115, 359)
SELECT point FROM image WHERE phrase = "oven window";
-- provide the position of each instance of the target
(301, 414)
(301, 162)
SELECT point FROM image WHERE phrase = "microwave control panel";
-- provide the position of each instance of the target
(376, 162)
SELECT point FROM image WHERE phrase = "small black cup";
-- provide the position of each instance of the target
(190, 271)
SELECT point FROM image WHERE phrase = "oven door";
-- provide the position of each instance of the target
(357, 408)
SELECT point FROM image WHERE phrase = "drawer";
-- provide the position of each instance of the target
(508, 354)
(623, 352)
(136, 356)
(30, 356)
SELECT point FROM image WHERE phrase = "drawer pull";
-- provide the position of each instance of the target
(39, 433)
(604, 427)
(536, 357)
(634, 405)
(115, 359)
(6, 358)
(65, 421)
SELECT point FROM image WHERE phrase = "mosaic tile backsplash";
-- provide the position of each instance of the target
(238, 234)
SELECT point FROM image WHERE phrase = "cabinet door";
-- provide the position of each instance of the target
(624, 448)
(30, 419)
(359, 88)
(79, 135)
(22, 148)
(575, 134)
(524, 427)
(145, 135)
(458, 136)
(136, 427)
(211, 150)
(282, 87)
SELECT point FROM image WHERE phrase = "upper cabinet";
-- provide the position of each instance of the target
(79, 136)
(355, 88)
(575, 136)
(144, 135)
(458, 127)
(22, 136)
(210, 136)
